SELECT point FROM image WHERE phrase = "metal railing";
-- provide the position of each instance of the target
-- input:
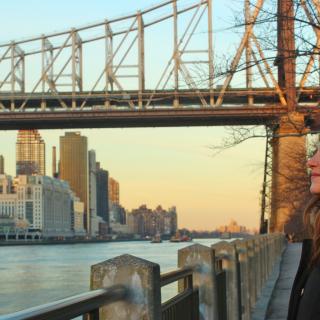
(87, 304)
(185, 305)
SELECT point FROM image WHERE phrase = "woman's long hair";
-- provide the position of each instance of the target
(311, 218)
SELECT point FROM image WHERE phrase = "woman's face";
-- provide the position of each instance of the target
(314, 165)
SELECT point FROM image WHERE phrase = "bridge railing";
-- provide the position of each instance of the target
(184, 305)
(220, 282)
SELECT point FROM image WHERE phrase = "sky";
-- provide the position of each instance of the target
(167, 166)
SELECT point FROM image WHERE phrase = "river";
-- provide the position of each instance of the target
(33, 275)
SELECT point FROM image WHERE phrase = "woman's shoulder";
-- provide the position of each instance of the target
(300, 278)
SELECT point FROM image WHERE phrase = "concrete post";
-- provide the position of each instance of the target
(228, 253)
(141, 277)
(270, 252)
(202, 259)
(258, 268)
(264, 259)
(242, 249)
(252, 275)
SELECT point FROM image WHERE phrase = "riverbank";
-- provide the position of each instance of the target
(62, 242)
(77, 241)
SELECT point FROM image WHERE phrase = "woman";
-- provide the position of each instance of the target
(305, 295)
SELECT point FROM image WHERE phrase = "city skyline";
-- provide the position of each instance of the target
(235, 174)
(171, 166)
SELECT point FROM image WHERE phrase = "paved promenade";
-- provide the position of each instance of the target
(278, 306)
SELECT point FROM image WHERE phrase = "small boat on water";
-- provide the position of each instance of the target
(156, 238)
(178, 238)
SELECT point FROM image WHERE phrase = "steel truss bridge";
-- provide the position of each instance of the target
(108, 75)
(48, 82)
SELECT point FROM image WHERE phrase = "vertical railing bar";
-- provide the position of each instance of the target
(94, 315)
(248, 52)
(176, 54)
(73, 69)
(210, 52)
(141, 64)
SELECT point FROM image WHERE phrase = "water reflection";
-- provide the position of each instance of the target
(33, 275)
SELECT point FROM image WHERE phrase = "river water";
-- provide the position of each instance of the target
(33, 275)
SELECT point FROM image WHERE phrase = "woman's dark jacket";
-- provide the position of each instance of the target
(305, 295)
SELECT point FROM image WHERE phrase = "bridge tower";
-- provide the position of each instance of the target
(289, 174)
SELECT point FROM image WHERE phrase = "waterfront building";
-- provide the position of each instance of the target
(135, 222)
(113, 191)
(138, 220)
(30, 153)
(8, 200)
(45, 203)
(117, 214)
(73, 167)
(102, 194)
(77, 214)
(104, 229)
(147, 222)
(1, 164)
(119, 228)
(171, 221)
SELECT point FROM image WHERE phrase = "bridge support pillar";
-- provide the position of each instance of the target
(289, 176)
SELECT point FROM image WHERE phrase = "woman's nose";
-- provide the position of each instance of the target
(311, 163)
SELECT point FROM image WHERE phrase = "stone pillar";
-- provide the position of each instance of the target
(242, 249)
(202, 259)
(289, 175)
(141, 277)
(228, 253)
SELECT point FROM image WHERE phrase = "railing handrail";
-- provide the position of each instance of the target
(175, 275)
(71, 307)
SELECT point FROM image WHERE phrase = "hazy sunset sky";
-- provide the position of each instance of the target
(167, 166)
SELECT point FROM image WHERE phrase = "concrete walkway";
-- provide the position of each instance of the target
(278, 305)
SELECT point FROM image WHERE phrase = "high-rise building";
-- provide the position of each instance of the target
(94, 223)
(74, 167)
(30, 153)
(54, 162)
(1, 164)
(102, 194)
(113, 191)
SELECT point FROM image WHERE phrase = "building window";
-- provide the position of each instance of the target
(29, 212)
